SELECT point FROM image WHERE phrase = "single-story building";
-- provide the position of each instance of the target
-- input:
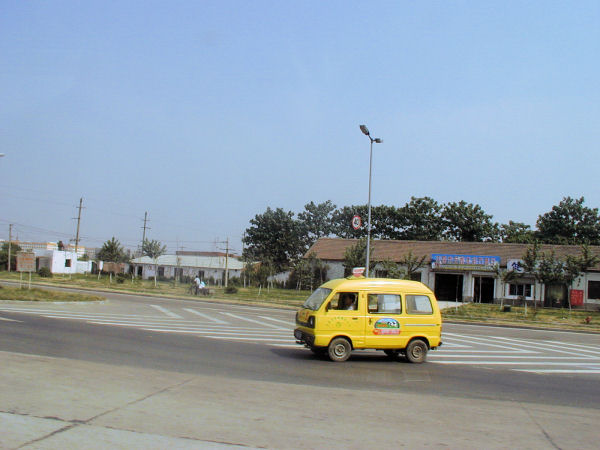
(466, 271)
(187, 266)
(60, 261)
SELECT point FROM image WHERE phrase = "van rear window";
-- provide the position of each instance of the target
(418, 304)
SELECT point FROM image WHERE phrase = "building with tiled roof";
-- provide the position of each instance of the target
(465, 271)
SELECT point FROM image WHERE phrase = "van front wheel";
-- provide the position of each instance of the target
(339, 350)
(416, 351)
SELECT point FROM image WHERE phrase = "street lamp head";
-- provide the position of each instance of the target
(378, 141)
(364, 129)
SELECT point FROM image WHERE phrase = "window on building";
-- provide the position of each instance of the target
(519, 290)
(67, 263)
(161, 271)
(594, 289)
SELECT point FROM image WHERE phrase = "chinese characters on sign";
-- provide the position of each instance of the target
(478, 262)
(25, 262)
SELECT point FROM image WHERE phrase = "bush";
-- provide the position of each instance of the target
(231, 290)
(44, 272)
(122, 277)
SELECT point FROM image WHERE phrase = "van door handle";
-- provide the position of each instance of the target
(355, 318)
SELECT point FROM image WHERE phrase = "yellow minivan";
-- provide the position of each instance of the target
(396, 316)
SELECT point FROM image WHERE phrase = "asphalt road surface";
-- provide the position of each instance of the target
(481, 377)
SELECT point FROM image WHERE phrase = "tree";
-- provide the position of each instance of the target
(421, 220)
(316, 221)
(342, 222)
(355, 256)
(516, 233)
(467, 222)
(14, 248)
(309, 272)
(112, 251)
(412, 263)
(391, 269)
(505, 276)
(570, 222)
(154, 250)
(275, 237)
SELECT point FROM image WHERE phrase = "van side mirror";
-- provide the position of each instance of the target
(327, 307)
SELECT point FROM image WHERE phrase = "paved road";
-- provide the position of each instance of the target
(485, 382)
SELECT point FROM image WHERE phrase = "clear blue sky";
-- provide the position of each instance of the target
(204, 113)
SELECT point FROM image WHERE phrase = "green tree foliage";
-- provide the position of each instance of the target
(516, 233)
(112, 251)
(274, 236)
(355, 256)
(570, 222)
(153, 249)
(14, 248)
(342, 222)
(467, 222)
(412, 263)
(390, 269)
(316, 221)
(309, 273)
(421, 220)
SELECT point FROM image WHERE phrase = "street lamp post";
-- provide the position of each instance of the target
(365, 131)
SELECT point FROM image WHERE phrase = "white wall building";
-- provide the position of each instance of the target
(181, 266)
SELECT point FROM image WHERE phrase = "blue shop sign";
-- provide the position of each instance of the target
(472, 262)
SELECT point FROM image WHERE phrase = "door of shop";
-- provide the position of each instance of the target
(483, 289)
(449, 287)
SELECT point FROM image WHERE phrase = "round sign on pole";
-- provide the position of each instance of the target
(356, 222)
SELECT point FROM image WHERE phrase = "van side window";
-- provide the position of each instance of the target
(385, 304)
(345, 301)
(418, 304)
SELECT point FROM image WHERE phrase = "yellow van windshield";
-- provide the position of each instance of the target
(316, 299)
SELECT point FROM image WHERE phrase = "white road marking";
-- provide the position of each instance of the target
(291, 324)
(10, 320)
(254, 321)
(206, 316)
(167, 312)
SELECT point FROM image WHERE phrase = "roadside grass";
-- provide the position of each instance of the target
(289, 298)
(44, 295)
(518, 315)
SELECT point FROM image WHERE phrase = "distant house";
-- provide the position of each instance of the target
(187, 266)
(57, 261)
(465, 271)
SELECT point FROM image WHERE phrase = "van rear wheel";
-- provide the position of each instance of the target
(339, 350)
(416, 351)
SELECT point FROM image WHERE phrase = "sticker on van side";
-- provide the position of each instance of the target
(386, 326)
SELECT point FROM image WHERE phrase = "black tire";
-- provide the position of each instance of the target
(416, 351)
(392, 353)
(339, 349)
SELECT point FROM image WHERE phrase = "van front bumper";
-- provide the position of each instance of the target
(304, 338)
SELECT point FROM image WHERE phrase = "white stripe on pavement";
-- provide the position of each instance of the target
(167, 312)
(206, 316)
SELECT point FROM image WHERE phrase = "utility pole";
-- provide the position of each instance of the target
(9, 243)
(227, 262)
(226, 242)
(144, 232)
(78, 223)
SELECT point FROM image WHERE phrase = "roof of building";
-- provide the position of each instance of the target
(201, 262)
(333, 249)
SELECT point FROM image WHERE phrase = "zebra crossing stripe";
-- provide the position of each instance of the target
(206, 316)
(254, 321)
(167, 312)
